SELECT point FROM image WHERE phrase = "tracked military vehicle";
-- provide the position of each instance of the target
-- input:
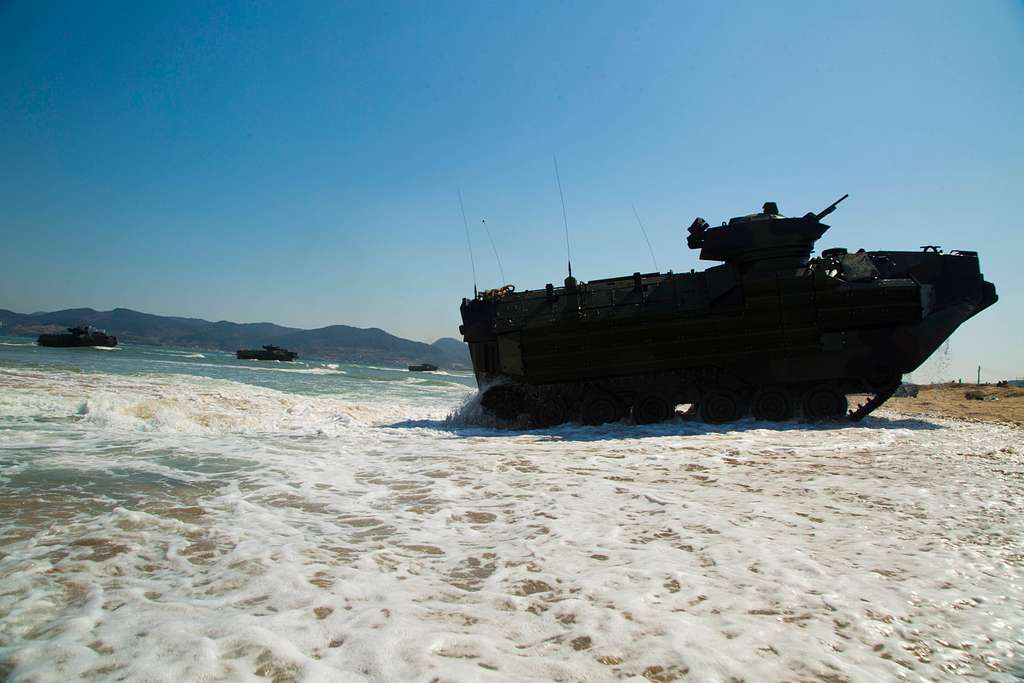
(769, 332)
(268, 352)
(80, 336)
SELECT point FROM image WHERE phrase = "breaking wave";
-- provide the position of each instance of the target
(181, 404)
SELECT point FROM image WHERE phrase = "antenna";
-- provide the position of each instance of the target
(565, 221)
(465, 224)
(649, 248)
(495, 250)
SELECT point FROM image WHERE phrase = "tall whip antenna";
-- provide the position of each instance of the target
(495, 250)
(565, 220)
(469, 244)
(649, 248)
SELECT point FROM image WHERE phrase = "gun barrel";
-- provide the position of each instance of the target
(831, 207)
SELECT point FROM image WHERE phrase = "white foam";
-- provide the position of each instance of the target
(161, 351)
(261, 365)
(319, 371)
(396, 546)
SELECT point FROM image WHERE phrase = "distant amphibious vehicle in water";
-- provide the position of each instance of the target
(268, 352)
(769, 331)
(422, 367)
(83, 335)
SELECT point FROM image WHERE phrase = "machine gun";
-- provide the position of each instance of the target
(831, 207)
(696, 230)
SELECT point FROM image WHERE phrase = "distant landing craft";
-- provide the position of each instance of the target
(268, 352)
(80, 336)
(423, 367)
(768, 332)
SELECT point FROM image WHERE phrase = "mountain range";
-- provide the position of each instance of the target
(335, 342)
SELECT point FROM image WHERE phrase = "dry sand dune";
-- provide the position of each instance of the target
(1001, 405)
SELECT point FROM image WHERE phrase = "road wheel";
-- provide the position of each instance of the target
(719, 406)
(824, 402)
(651, 408)
(549, 410)
(772, 403)
(599, 408)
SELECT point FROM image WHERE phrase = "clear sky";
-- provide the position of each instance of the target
(300, 162)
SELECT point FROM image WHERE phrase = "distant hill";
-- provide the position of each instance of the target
(336, 342)
(452, 347)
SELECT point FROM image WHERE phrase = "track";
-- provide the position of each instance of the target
(546, 406)
(874, 402)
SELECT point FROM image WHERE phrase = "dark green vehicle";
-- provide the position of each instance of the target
(769, 331)
(268, 352)
(80, 336)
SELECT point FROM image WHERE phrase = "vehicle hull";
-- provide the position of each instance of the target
(263, 354)
(77, 341)
(729, 328)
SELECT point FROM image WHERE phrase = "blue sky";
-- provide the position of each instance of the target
(300, 162)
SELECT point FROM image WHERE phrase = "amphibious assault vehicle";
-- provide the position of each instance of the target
(79, 336)
(423, 367)
(268, 352)
(769, 331)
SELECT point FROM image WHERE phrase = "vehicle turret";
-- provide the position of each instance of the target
(761, 241)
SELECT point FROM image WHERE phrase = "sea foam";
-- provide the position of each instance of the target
(164, 527)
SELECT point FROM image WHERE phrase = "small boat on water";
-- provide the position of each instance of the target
(268, 352)
(422, 367)
(79, 336)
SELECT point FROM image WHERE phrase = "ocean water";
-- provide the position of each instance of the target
(171, 515)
